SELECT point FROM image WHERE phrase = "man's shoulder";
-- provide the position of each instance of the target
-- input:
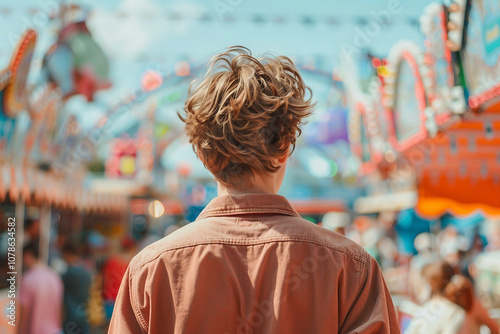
(305, 231)
(187, 236)
(292, 229)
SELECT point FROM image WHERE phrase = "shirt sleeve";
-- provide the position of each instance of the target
(373, 310)
(124, 319)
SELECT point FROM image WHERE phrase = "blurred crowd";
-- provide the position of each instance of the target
(449, 283)
(76, 291)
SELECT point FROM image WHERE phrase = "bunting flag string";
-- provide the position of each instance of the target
(208, 16)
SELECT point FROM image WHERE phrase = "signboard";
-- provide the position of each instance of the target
(445, 97)
(122, 160)
(364, 126)
(481, 53)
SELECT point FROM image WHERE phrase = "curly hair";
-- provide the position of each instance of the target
(244, 114)
(438, 274)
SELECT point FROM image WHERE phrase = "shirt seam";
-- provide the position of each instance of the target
(136, 308)
(362, 278)
(290, 238)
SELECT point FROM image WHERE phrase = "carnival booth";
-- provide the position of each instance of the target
(421, 96)
(442, 113)
(441, 107)
(373, 142)
(33, 187)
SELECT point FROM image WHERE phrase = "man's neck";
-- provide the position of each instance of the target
(256, 188)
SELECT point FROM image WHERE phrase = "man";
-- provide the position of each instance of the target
(250, 263)
(77, 282)
(40, 295)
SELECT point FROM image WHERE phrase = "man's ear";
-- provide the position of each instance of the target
(283, 159)
(285, 156)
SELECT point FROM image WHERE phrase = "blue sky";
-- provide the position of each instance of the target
(141, 31)
(140, 34)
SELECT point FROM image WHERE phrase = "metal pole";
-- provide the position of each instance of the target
(20, 206)
(45, 226)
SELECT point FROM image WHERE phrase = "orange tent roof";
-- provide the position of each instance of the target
(461, 172)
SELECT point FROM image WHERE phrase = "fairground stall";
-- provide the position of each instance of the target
(429, 143)
(40, 199)
(461, 174)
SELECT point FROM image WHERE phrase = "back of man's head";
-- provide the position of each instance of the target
(244, 114)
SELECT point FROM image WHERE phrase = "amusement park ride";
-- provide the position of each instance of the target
(427, 129)
(25, 146)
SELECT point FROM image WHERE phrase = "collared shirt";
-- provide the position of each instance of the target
(251, 264)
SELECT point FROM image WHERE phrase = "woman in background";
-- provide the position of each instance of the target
(438, 315)
(461, 292)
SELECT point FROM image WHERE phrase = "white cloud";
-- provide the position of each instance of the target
(129, 34)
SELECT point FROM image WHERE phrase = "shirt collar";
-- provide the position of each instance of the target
(247, 204)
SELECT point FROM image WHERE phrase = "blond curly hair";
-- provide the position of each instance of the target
(243, 114)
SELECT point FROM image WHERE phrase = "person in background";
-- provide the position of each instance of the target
(461, 291)
(113, 271)
(40, 297)
(467, 267)
(418, 287)
(387, 244)
(438, 315)
(77, 282)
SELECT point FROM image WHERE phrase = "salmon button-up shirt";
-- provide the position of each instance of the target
(251, 264)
